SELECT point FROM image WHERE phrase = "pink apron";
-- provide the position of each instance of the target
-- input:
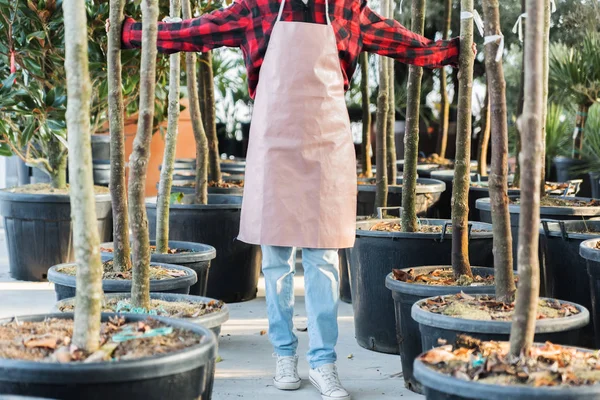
(300, 187)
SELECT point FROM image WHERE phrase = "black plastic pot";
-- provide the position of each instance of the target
(591, 254)
(185, 374)
(404, 295)
(100, 147)
(64, 285)
(212, 321)
(564, 273)
(439, 386)
(557, 213)
(101, 172)
(595, 184)
(428, 194)
(234, 272)
(38, 231)
(39, 176)
(198, 259)
(345, 292)
(373, 257)
(565, 331)
(233, 167)
(445, 203)
(481, 192)
(182, 164)
(564, 172)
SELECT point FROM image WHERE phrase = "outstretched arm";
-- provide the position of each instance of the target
(224, 27)
(387, 37)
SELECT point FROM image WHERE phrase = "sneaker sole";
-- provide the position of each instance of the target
(287, 385)
(323, 396)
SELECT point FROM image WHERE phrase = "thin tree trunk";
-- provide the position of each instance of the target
(166, 174)
(382, 121)
(366, 116)
(57, 158)
(214, 159)
(445, 101)
(118, 190)
(484, 137)
(391, 123)
(530, 125)
(86, 241)
(138, 162)
(462, 175)
(546, 64)
(580, 121)
(201, 192)
(498, 179)
(411, 131)
(517, 177)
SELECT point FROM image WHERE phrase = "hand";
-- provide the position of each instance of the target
(474, 47)
(107, 25)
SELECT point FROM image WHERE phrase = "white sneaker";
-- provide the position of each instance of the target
(325, 378)
(286, 373)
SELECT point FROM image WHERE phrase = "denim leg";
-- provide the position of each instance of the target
(321, 284)
(278, 266)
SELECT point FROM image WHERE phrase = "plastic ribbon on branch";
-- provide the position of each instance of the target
(400, 7)
(553, 6)
(476, 18)
(518, 28)
(493, 39)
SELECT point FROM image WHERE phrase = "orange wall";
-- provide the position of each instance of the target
(186, 146)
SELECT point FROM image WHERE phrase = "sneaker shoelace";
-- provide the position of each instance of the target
(330, 376)
(286, 366)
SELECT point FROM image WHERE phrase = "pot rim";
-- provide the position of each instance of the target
(7, 195)
(418, 289)
(498, 327)
(426, 186)
(424, 235)
(476, 390)
(122, 285)
(485, 205)
(111, 371)
(202, 252)
(560, 228)
(588, 250)
(151, 203)
(211, 320)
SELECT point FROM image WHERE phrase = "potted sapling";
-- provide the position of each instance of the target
(119, 270)
(102, 355)
(520, 368)
(487, 317)
(32, 126)
(212, 219)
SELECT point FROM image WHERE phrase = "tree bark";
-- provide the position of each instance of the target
(411, 132)
(445, 101)
(214, 159)
(484, 138)
(382, 122)
(546, 65)
(517, 177)
(366, 115)
(86, 241)
(392, 170)
(498, 179)
(201, 192)
(118, 190)
(462, 175)
(530, 125)
(163, 200)
(138, 162)
(57, 158)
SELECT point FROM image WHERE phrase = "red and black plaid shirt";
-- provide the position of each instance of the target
(248, 24)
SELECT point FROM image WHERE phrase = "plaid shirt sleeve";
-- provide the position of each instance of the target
(224, 27)
(387, 37)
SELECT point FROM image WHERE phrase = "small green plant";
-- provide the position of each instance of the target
(559, 130)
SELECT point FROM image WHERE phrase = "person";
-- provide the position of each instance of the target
(300, 184)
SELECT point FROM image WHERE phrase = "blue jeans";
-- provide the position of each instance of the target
(321, 284)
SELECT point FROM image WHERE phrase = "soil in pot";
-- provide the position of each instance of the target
(441, 319)
(196, 256)
(474, 369)
(413, 284)
(163, 278)
(37, 221)
(234, 272)
(564, 273)
(224, 187)
(140, 358)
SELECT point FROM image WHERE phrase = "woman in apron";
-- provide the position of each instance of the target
(300, 183)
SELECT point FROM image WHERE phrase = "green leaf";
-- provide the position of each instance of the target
(39, 35)
(50, 97)
(5, 150)
(176, 198)
(7, 83)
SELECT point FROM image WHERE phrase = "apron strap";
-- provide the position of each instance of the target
(326, 11)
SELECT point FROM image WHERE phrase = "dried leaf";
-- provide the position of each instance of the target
(437, 355)
(49, 342)
(401, 276)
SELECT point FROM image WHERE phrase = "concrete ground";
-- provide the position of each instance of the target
(247, 365)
